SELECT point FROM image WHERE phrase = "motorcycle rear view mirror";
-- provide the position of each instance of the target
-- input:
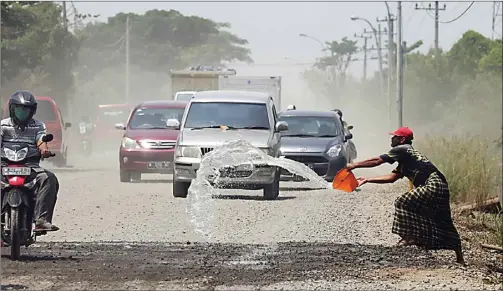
(48, 137)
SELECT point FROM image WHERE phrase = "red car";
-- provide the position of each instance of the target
(49, 113)
(107, 116)
(147, 145)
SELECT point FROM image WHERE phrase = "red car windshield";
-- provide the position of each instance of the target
(110, 116)
(151, 118)
(45, 111)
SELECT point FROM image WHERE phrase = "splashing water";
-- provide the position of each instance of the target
(233, 153)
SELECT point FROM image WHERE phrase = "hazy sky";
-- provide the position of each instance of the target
(272, 29)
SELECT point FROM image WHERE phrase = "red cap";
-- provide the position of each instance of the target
(403, 132)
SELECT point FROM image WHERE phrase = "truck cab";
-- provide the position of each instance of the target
(195, 79)
(184, 95)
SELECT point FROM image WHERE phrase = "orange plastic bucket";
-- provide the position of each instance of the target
(345, 180)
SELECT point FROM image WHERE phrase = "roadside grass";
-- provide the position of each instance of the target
(472, 167)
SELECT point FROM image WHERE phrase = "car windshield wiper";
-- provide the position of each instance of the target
(254, 127)
(213, 126)
(300, 135)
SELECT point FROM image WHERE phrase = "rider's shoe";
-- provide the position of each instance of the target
(45, 226)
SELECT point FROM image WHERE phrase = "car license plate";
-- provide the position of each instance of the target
(16, 171)
(159, 165)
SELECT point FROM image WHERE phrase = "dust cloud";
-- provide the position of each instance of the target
(370, 130)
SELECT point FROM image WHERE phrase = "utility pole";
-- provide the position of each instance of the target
(377, 33)
(496, 8)
(127, 61)
(365, 50)
(437, 10)
(65, 20)
(399, 62)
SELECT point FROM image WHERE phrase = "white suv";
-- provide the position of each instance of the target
(250, 116)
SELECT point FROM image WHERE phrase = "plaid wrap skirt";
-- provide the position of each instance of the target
(424, 215)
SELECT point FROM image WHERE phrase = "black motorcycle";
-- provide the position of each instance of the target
(18, 200)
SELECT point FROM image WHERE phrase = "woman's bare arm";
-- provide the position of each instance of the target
(391, 178)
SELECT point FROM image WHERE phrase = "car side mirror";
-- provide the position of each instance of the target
(120, 126)
(350, 127)
(173, 124)
(348, 136)
(281, 126)
(68, 124)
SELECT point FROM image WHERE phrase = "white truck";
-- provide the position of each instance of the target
(271, 85)
(186, 82)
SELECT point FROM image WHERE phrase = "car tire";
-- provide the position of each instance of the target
(125, 176)
(180, 189)
(271, 191)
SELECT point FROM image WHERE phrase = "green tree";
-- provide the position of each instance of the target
(341, 54)
(492, 61)
(465, 55)
(37, 52)
(159, 41)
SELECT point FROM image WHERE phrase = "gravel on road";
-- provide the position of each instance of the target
(138, 236)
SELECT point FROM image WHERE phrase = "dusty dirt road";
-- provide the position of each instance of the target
(138, 236)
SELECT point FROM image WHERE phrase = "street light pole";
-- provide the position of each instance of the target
(325, 50)
(324, 47)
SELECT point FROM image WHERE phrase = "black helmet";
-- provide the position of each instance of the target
(338, 111)
(22, 107)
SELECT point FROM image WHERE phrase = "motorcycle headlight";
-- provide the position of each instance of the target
(21, 154)
(188, 152)
(129, 143)
(334, 150)
(9, 154)
(15, 156)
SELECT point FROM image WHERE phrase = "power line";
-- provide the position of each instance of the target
(461, 15)
(444, 22)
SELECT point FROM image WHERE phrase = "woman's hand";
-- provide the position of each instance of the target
(361, 181)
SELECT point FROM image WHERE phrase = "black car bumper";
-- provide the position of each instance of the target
(321, 165)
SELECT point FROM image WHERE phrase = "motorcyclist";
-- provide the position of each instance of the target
(21, 127)
(351, 145)
(344, 123)
(85, 125)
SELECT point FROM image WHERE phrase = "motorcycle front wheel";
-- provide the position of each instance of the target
(15, 233)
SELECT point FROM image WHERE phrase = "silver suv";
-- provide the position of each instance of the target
(250, 116)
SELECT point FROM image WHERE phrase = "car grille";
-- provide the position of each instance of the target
(235, 174)
(158, 144)
(205, 150)
(308, 159)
